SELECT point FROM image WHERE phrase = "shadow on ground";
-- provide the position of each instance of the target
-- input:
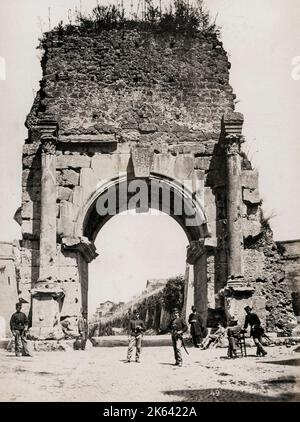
(222, 395)
(291, 362)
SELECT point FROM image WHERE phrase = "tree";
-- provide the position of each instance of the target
(173, 293)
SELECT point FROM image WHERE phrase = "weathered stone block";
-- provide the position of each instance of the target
(30, 149)
(104, 166)
(73, 161)
(65, 225)
(202, 163)
(251, 227)
(31, 227)
(249, 179)
(254, 262)
(210, 147)
(184, 167)
(210, 209)
(27, 210)
(78, 195)
(29, 273)
(68, 274)
(68, 178)
(72, 302)
(123, 148)
(64, 193)
(251, 195)
(147, 127)
(66, 258)
(30, 257)
(130, 136)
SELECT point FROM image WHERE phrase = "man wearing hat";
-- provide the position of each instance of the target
(177, 327)
(233, 333)
(19, 326)
(83, 329)
(136, 328)
(197, 327)
(256, 330)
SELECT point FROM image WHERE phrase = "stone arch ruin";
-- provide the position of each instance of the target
(128, 105)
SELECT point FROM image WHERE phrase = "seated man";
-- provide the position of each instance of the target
(214, 338)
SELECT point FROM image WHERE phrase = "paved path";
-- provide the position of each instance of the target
(101, 374)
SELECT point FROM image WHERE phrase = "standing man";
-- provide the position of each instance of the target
(177, 327)
(233, 335)
(83, 329)
(197, 328)
(19, 326)
(256, 330)
(136, 328)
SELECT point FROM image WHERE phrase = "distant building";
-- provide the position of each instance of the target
(107, 308)
(104, 308)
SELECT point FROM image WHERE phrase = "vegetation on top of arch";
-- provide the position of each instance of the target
(180, 17)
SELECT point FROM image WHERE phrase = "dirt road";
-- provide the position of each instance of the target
(102, 374)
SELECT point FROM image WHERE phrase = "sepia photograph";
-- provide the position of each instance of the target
(149, 184)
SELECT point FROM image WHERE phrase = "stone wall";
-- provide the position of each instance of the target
(130, 85)
(291, 255)
(8, 287)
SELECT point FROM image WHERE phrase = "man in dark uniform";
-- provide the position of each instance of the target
(233, 334)
(19, 326)
(256, 330)
(136, 329)
(177, 327)
(197, 328)
(83, 330)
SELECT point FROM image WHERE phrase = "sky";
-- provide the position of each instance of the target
(262, 39)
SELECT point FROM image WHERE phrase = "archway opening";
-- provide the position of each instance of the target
(138, 253)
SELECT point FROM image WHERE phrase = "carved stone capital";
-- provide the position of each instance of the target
(50, 291)
(237, 287)
(142, 158)
(195, 250)
(233, 123)
(232, 143)
(81, 245)
(48, 143)
(232, 130)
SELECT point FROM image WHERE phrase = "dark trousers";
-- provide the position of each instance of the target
(260, 351)
(83, 339)
(231, 347)
(196, 340)
(21, 347)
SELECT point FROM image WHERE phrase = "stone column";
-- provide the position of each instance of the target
(196, 256)
(47, 295)
(188, 291)
(237, 291)
(48, 209)
(233, 139)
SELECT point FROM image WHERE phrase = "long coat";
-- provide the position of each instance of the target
(197, 328)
